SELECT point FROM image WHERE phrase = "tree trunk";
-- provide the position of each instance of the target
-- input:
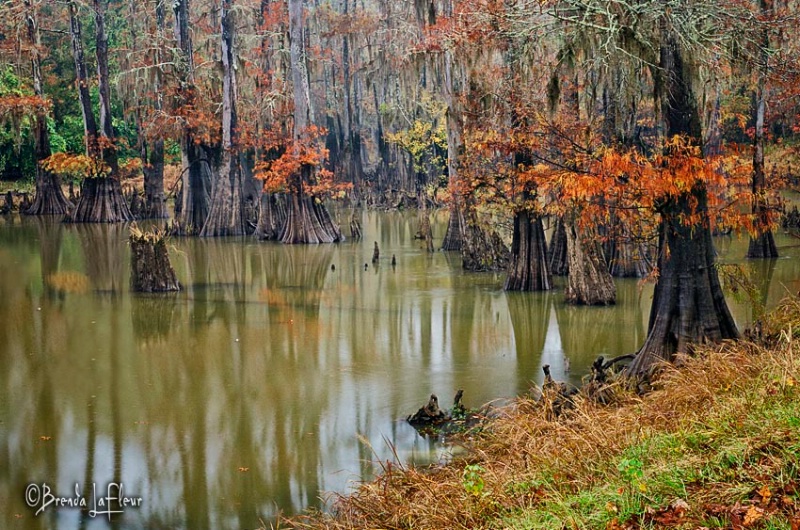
(101, 202)
(101, 198)
(155, 202)
(308, 221)
(272, 217)
(528, 269)
(151, 271)
(49, 198)
(226, 217)
(627, 257)
(589, 281)
(481, 248)
(688, 304)
(763, 244)
(452, 238)
(82, 82)
(425, 233)
(307, 218)
(557, 250)
(196, 176)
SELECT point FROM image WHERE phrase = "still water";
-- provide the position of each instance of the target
(271, 378)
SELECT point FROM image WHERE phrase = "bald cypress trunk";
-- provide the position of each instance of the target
(688, 304)
(481, 247)
(627, 256)
(307, 218)
(528, 270)
(589, 281)
(195, 159)
(453, 239)
(557, 250)
(272, 217)
(155, 202)
(151, 270)
(763, 244)
(101, 198)
(49, 198)
(226, 216)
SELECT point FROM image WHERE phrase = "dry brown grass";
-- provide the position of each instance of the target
(629, 460)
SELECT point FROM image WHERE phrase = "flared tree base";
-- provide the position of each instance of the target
(49, 198)
(528, 269)
(557, 251)
(453, 237)
(308, 222)
(101, 202)
(481, 248)
(763, 246)
(688, 304)
(589, 281)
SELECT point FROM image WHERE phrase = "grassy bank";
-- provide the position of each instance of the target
(716, 444)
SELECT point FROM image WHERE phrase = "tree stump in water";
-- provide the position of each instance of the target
(151, 271)
(8, 206)
(355, 227)
(429, 414)
(376, 253)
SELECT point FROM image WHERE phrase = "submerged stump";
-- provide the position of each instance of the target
(430, 420)
(151, 270)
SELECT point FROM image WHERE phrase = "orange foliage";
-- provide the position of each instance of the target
(601, 184)
(300, 157)
(79, 166)
(15, 105)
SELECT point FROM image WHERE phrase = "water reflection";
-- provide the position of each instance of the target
(272, 377)
(533, 338)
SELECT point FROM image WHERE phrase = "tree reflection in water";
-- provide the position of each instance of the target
(247, 392)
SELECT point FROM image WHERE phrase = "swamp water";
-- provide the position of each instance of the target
(271, 378)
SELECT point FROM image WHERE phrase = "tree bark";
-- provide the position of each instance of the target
(557, 250)
(627, 257)
(101, 198)
(481, 248)
(453, 239)
(151, 270)
(424, 232)
(82, 82)
(155, 202)
(688, 304)
(196, 174)
(307, 218)
(528, 270)
(763, 244)
(226, 217)
(49, 198)
(272, 217)
(589, 281)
